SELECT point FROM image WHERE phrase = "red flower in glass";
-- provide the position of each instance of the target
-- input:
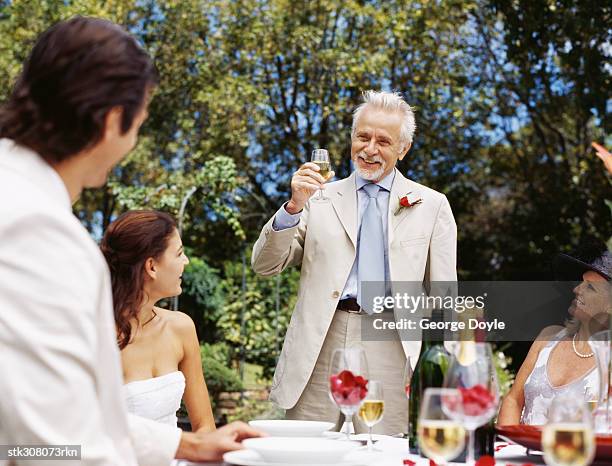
(476, 400)
(347, 388)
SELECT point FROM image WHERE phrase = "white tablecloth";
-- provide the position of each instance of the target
(395, 451)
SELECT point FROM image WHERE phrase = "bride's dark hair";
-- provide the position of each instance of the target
(128, 242)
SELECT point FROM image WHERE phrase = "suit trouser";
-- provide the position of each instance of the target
(386, 362)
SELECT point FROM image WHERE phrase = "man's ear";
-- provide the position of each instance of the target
(112, 123)
(404, 151)
(150, 269)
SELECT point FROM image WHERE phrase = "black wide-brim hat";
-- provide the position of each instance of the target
(571, 268)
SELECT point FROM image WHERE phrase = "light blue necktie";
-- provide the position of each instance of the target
(371, 265)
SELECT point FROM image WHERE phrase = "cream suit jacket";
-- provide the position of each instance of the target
(60, 371)
(421, 247)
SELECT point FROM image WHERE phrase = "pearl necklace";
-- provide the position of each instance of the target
(580, 355)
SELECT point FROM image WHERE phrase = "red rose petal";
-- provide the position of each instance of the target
(485, 461)
(432, 463)
(408, 462)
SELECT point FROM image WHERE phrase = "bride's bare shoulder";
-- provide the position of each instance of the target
(176, 320)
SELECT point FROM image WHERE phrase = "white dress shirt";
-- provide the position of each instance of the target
(284, 220)
(60, 370)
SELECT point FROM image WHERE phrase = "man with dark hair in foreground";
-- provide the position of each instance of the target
(75, 112)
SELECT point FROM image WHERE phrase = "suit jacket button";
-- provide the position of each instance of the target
(336, 294)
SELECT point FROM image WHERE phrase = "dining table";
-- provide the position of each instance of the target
(394, 452)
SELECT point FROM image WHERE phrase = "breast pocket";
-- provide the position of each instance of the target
(414, 241)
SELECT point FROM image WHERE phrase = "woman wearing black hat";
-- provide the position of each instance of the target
(561, 361)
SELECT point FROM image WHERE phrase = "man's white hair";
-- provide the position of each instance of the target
(389, 102)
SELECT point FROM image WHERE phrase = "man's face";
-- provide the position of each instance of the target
(375, 147)
(115, 145)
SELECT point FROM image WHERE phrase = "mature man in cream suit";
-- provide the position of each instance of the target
(340, 245)
(74, 113)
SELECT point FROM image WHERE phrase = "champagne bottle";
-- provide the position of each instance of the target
(428, 373)
(484, 435)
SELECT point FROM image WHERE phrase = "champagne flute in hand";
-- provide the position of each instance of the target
(441, 438)
(372, 408)
(348, 372)
(321, 158)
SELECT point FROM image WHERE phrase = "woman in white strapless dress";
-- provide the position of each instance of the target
(160, 351)
(561, 361)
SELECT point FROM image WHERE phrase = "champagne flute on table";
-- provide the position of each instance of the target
(321, 158)
(372, 409)
(568, 438)
(441, 438)
(348, 372)
(475, 378)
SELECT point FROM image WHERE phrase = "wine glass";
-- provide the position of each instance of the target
(372, 408)
(568, 438)
(602, 411)
(348, 372)
(476, 380)
(441, 438)
(321, 158)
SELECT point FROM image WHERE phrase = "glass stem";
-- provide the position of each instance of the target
(348, 425)
(408, 433)
(370, 443)
(470, 451)
(320, 193)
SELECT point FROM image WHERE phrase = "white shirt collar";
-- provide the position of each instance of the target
(385, 183)
(33, 167)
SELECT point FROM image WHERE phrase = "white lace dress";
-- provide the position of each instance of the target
(539, 392)
(158, 398)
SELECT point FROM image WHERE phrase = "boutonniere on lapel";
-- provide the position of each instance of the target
(406, 203)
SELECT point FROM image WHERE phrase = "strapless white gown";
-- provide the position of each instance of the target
(158, 398)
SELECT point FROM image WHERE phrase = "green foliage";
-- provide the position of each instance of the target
(505, 377)
(253, 323)
(250, 409)
(218, 371)
(508, 96)
(248, 323)
(202, 296)
(538, 188)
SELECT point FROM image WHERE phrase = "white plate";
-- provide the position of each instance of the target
(357, 437)
(290, 450)
(288, 428)
(251, 458)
